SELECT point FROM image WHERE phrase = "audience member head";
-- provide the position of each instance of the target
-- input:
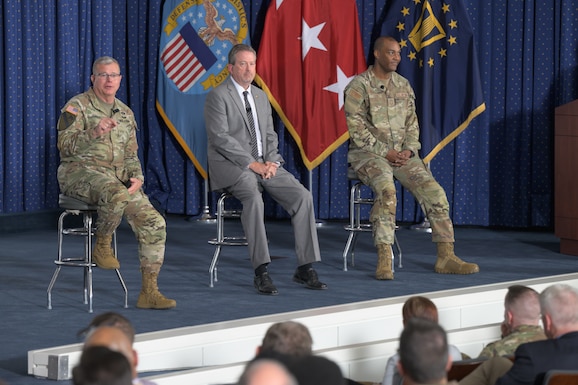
(115, 339)
(423, 353)
(521, 307)
(100, 365)
(266, 371)
(110, 319)
(559, 305)
(316, 370)
(421, 307)
(289, 337)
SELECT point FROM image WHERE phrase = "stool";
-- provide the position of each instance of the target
(356, 226)
(222, 239)
(77, 207)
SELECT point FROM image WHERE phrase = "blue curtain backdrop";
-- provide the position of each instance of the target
(498, 172)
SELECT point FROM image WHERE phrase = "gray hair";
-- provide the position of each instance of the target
(103, 60)
(560, 302)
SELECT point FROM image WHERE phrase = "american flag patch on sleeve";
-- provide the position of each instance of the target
(71, 109)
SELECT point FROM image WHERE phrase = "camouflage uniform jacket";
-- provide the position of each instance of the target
(508, 345)
(380, 116)
(115, 152)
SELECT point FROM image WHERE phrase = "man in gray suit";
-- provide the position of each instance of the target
(244, 160)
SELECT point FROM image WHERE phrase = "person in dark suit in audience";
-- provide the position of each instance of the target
(100, 365)
(317, 370)
(244, 159)
(559, 306)
(290, 342)
(423, 353)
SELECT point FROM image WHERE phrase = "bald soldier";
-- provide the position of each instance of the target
(383, 146)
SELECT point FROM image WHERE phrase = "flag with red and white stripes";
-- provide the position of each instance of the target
(195, 40)
(186, 58)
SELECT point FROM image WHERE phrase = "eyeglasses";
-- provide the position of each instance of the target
(393, 53)
(103, 75)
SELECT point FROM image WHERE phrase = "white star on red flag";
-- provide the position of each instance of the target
(338, 87)
(310, 38)
(309, 51)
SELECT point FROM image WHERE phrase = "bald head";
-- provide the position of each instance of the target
(115, 339)
(381, 41)
(266, 372)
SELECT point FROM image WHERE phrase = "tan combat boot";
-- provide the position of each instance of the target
(384, 257)
(449, 263)
(150, 297)
(102, 254)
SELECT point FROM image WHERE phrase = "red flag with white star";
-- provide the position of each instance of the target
(309, 52)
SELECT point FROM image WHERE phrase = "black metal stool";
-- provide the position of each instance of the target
(222, 239)
(356, 226)
(77, 207)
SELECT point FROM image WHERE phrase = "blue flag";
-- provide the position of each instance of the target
(438, 57)
(196, 38)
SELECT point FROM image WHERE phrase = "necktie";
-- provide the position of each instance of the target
(254, 148)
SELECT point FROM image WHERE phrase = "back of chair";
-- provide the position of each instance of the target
(561, 377)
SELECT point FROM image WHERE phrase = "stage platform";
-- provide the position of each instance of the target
(209, 317)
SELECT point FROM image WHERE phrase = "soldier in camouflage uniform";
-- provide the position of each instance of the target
(521, 322)
(384, 144)
(100, 166)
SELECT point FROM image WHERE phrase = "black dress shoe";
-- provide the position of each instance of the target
(264, 284)
(309, 279)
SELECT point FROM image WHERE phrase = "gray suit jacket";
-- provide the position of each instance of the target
(229, 140)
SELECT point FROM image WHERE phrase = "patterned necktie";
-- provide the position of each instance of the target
(254, 149)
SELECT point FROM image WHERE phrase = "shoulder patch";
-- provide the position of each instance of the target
(72, 110)
(66, 120)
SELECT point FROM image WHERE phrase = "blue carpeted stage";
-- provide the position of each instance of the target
(26, 268)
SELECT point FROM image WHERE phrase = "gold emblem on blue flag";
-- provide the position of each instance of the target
(440, 61)
(196, 38)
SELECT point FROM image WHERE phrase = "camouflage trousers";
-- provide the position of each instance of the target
(105, 190)
(378, 174)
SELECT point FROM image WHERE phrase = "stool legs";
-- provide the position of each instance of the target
(222, 239)
(87, 231)
(218, 242)
(355, 226)
(399, 254)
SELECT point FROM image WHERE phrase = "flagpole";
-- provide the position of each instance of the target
(206, 215)
(318, 222)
